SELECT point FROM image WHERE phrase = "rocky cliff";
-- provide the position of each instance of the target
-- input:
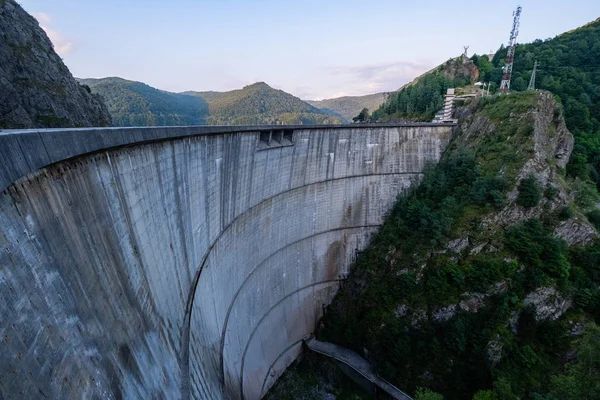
(546, 154)
(484, 277)
(36, 88)
(460, 67)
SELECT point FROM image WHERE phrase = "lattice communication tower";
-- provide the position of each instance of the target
(510, 54)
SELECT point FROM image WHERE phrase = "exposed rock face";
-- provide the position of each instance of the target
(473, 302)
(494, 350)
(547, 303)
(461, 67)
(552, 147)
(576, 231)
(552, 140)
(548, 152)
(444, 313)
(36, 88)
(458, 245)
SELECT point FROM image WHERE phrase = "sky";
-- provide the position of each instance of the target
(313, 49)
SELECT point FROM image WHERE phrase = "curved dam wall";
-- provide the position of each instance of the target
(164, 263)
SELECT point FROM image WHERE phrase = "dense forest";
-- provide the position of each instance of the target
(446, 297)
(423, 98)
(261, 104)
(417, 102)
(137, 104)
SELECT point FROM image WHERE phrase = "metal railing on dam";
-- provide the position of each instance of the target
(184, 261)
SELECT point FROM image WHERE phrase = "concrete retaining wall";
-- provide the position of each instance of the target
(183, 262)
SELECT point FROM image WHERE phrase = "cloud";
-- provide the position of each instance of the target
(303, 92)
(61, 44)
(366, 79)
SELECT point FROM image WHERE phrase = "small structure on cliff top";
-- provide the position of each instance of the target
(448, 105)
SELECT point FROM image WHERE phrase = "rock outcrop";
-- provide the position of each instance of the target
(460, 67)
(550, 151)
(547, 303)
(517, 246)
(36, 88)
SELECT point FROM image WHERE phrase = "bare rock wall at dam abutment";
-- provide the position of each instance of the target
(161, 263)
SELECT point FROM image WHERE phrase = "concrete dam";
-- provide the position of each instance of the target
(183, 262)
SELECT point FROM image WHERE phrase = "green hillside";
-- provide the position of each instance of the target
(261, 104)
(348, 107)
(483, 282)
(424, 96)
(569, 67)
(137, 104)
(477, 285)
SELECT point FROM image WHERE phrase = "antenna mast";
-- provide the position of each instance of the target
(532, 80)
(510, 54)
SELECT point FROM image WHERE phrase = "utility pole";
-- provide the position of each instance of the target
(532, 80)
(483, 93)
(510, 54)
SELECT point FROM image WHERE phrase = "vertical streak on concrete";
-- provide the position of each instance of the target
(181, 267)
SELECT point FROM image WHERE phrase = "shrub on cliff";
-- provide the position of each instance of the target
(545, 255)
(530, 192)
(594, 217)
(425, 394)
(490, 190)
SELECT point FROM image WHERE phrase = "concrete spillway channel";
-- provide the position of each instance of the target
(183, 262)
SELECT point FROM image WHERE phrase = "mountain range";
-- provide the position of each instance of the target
(137, 104)
(133, 103)
(348, 107)
(261, 104)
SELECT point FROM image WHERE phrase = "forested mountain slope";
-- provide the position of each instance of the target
(36, 88)
(348, 107)
(424, 96)
(569, 67)
(484, 280)
(137, 104)
(261, 104)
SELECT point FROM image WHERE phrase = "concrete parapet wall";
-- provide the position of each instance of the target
(183, 262)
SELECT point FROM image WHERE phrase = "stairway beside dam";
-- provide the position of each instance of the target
(184, 262)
